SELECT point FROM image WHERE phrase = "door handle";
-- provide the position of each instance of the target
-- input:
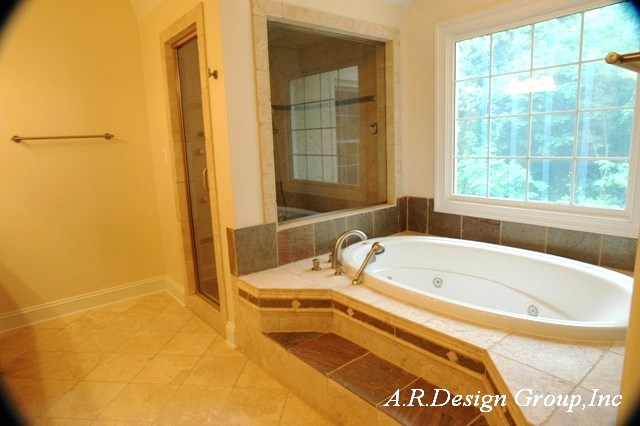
(205, 178)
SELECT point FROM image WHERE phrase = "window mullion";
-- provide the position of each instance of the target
(529, 120)
(574, 160)
(489, 118)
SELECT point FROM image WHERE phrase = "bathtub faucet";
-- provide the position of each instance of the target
(335, 262)
(376, 248)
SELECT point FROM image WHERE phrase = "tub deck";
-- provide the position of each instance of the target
(548, 367)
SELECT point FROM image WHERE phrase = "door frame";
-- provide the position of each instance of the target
(184, 29)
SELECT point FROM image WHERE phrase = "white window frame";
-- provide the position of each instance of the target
(601, 220)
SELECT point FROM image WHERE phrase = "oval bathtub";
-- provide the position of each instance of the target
(499, 286)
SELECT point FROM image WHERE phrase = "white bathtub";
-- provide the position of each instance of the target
(499, 286)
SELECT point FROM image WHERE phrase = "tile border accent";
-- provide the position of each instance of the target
(286, 303)
(364, 318)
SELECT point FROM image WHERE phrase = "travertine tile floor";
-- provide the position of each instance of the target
(142, 361)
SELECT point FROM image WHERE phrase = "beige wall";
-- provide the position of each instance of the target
(75, 216)
(237, 49)
(418, 77)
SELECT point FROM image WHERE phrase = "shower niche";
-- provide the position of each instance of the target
(328, 114)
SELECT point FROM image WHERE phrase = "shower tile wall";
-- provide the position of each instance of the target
(597, 249)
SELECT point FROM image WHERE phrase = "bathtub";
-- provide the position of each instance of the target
(499, 286)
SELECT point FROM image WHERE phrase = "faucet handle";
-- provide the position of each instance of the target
(316, 265)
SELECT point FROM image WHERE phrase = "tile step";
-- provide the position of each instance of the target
(381, 384)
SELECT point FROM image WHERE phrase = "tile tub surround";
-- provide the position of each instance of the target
(598, 249)
(280, 245)
(294, 298)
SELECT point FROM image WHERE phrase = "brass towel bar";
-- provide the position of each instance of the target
(630, 61)
(18, 139)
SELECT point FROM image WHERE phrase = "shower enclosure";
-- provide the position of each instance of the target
(201, 225)
(328, 114)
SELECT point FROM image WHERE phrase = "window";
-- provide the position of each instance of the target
(540, 127)
(325, 133)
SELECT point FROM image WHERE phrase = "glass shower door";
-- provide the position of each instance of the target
(196, 170)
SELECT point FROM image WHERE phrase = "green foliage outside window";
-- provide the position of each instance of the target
(541, 117)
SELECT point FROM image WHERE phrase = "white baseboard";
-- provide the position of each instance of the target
(71, 305)
(176, 290)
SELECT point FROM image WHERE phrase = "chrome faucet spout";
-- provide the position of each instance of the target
(335, 253)
(376, 248)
